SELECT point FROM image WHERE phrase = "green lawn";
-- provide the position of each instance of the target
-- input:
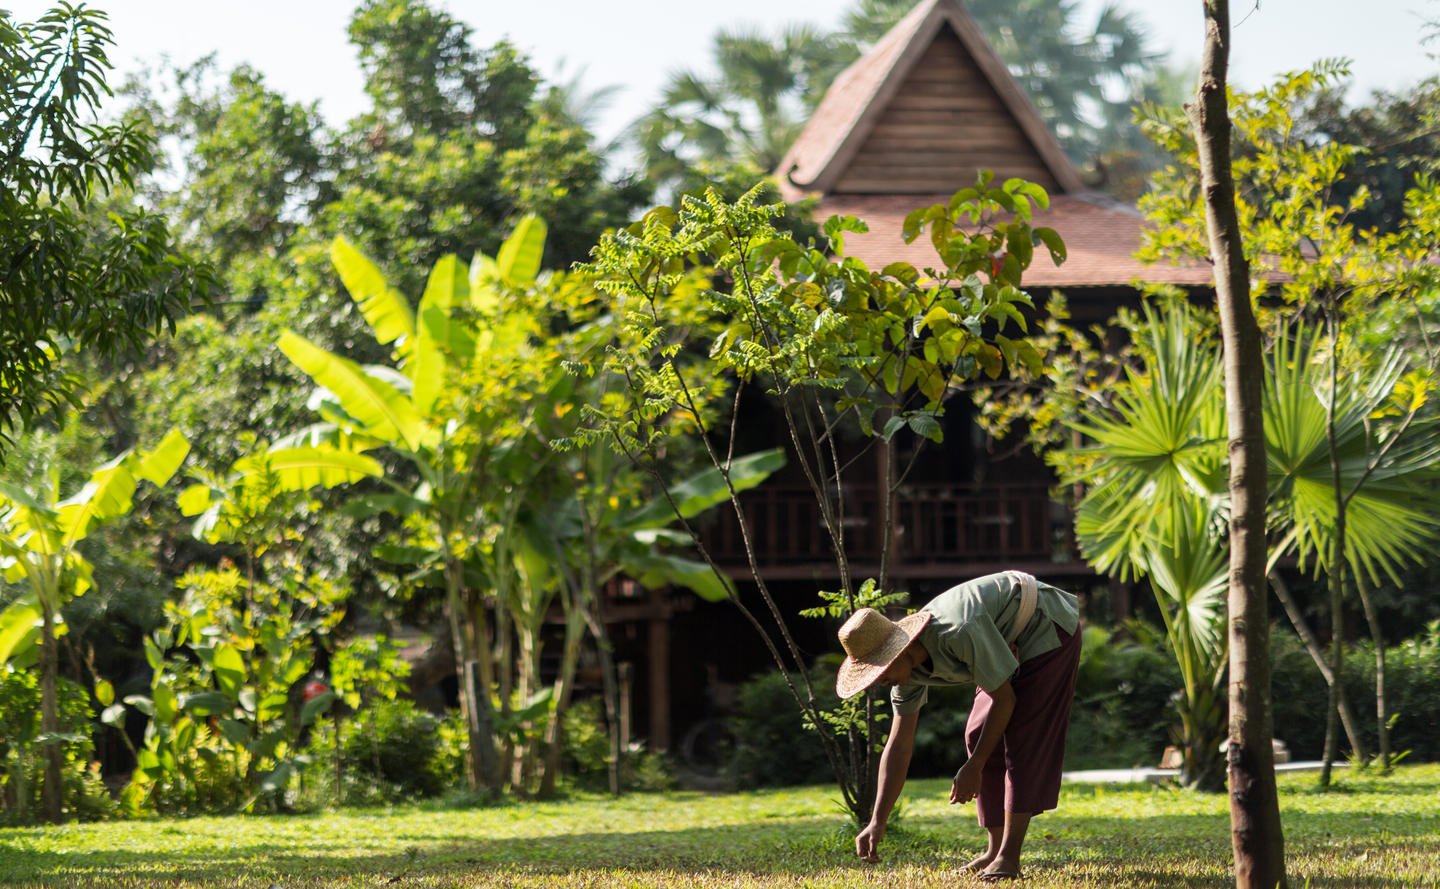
(1371, 832)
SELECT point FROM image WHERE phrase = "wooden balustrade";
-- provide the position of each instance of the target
(936, 524)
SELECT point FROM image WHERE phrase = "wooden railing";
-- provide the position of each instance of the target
(936, 524)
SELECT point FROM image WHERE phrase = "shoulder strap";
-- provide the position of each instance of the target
(1028, 595)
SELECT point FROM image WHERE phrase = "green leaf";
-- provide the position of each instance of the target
(104, 692)
(277, 778)
(149, 763)
(381, 409)
(114, 715)
(698, 493)
(303, 468)
(229, 668)
(235, 731)
(901, 271)
(926, 425)
(315, 706)
(167, 704)
(657, 570)
(206, 703)
(141, 703)
(519, 257)
(1052, 241)
(107, 495)
(439, 331)
(910, 229)
(194, 500)
(387, 311)
(404, 555)
(19, 627)
(153, 655)
(159, 465)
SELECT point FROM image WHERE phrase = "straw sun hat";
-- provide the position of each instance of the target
(872, 642)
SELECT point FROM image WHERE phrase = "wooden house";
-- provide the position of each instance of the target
(905, 126)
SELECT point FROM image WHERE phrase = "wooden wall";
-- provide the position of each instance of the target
(943, 125)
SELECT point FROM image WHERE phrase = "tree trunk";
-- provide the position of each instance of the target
(502, 660)
(610, 686)
(564, 685)
(54, 792)
(1338, 565)
(1337, 661)
(1317, 654)
(1382, 716)
(483, 768)
(1255, 831)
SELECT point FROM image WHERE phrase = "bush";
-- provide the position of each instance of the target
(1124, 708)
(22, 763)
(1412, 686)
(390, 751)
(586, 755)
(773, 748)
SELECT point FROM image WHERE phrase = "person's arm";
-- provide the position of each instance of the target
(894, 765)
(967, 780)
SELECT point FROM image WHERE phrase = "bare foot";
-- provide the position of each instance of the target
(980, 862)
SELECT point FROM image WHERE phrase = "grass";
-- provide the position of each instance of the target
(1371, 831)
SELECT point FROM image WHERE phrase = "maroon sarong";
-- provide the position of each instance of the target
(1023, 772)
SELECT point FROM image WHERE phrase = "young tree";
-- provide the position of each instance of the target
(836, 347)
(1258, 842)
(68, 279)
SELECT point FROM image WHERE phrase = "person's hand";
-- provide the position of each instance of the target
(867, 842)
(967, 783)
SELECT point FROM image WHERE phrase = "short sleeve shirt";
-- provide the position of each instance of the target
(966, 637)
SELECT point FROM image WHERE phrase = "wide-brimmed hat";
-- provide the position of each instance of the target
(872, 642)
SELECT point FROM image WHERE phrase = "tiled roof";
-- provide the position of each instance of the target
(1101, 236)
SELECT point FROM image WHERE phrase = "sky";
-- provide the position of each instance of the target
(300, 45)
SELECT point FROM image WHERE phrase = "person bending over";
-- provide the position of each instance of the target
(1018, 640)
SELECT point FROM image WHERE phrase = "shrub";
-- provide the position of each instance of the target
(586, 744)
(773, 747)
(1412, 681)
(390, 751)
(22, 762)
(1124, 709)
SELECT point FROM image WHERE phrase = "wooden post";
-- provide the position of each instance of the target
(659, 631)
(626, 672)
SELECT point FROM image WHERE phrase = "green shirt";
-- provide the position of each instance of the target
(966, 637)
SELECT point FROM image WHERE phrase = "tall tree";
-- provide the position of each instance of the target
(748, 112)
(1255, 830)
(69, 277)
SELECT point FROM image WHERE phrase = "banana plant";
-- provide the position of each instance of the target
(471, 404)
(452, 407)
(39, 535)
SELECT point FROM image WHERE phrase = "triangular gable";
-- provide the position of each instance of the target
(927, 107)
